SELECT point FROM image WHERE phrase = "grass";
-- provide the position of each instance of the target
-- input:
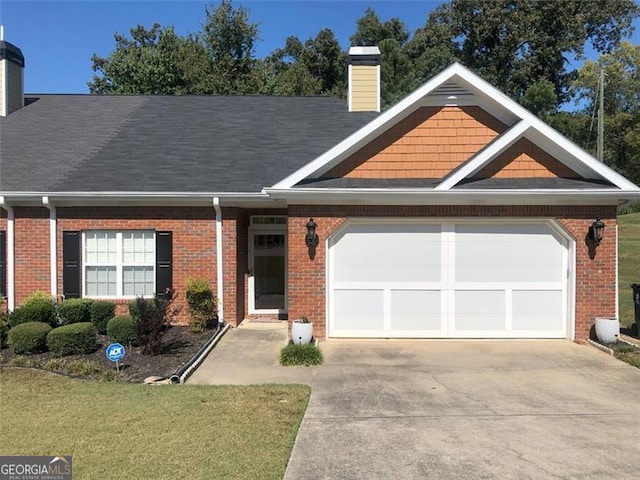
(628, 264)
(627, 353)
(116, 430)
(304, 354)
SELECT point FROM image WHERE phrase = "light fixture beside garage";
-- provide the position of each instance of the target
(311, 239)
(596, 232)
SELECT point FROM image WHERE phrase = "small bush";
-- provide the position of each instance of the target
(306, 354)
(152, 318)
(75, 310)
(37, 310)
(37, 296)
(29, 337)
(101, 313)
(72, 339)
(122, 329)
(4, 328)
(202, 304)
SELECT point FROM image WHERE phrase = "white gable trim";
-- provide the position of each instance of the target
(576, 158)
(485, 155)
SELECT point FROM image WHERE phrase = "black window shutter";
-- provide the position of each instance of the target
(164, 264)
(71, 264)
(3, 264)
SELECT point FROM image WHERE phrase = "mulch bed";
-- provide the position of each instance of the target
(180, 344)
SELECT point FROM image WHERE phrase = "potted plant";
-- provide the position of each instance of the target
(607, 329)
(302, 331)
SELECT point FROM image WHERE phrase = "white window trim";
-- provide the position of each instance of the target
(119, 264)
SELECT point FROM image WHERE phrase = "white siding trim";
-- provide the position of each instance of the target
(11, 259)
(53, 250)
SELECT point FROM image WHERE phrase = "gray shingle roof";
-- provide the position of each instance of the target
(87, 143)
(533, 183)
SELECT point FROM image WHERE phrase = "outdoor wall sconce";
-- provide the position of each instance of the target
(596, 232)
(311, 239)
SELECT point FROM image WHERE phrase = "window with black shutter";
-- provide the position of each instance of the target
(3, 264)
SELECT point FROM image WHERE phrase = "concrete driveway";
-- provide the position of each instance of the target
(450, 410)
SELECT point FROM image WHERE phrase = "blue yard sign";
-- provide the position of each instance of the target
(115, 352)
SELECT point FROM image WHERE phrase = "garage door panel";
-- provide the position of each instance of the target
(473, 280)
(518, 253)
(480, 310)
(415, 310)
(537, 310)
(366, 256)
(359, 310)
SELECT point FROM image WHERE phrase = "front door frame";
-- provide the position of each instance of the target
(267, 229)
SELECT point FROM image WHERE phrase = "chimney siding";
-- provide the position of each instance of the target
(364, 79)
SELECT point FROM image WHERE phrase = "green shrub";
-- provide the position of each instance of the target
(75, 310)
(38, 310)
(122, 329)
(306, 354)
(72, 339)
(202, 304)
(4, 328)
(38, 296)
(152, 318)
(29, 337)
(101, 313)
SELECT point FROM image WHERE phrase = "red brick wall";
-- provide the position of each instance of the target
(32, 270)
(595, 278)
(194, 249)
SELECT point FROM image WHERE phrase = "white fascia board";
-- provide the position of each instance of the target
(485, 155)
(423, 196)
(376, 127)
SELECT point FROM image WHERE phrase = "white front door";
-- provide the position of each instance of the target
(267, 271)
(474, 279)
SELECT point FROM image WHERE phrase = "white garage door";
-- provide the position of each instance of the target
(474, 280)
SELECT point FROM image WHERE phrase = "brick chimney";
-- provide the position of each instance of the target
(11, 77)
(364, 79)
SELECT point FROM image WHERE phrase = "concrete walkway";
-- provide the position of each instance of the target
(449, 409)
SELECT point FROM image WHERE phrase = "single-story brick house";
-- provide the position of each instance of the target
(456, 213)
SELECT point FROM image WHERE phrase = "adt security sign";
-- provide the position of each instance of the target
(115, 352)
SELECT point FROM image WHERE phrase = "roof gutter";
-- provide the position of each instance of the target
(422, 196)
(53, 251)
(10, 254)
(219, 261)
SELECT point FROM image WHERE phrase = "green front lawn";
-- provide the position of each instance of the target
(628, 263)
(116, 430)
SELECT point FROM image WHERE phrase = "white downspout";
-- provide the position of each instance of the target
(53, 252)
(219, 272)
(11, 294)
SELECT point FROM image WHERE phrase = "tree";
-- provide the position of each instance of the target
(397, 77)
(229, 39)
(621, 106)
(371, 31)
(316, 67)
(153, 61)
(514, 44)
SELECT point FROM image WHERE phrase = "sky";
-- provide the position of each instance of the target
(58, 37)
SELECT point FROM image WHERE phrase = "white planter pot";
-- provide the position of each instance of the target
(607, 329)
(301, 332)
